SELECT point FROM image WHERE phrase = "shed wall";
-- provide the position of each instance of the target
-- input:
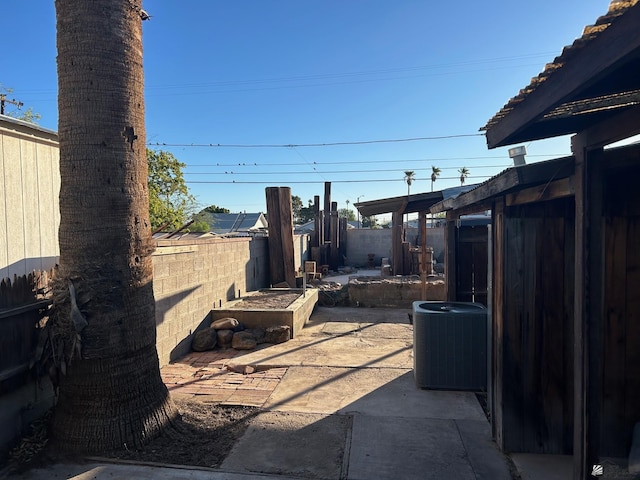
(29, 213)
(536, 352)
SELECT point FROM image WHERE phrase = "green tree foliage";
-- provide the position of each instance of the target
(169, 199)
(216, 209)
(303, 214)
(296, 206)
(348, 214)
(370, 222)
(199, 226)
(409, 177)
(464, 173)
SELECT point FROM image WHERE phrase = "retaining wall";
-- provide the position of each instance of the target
(392, 293)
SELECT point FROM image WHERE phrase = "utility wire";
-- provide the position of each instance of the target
(321, 181)
(322, 172)
(297, 145)
(368, 162)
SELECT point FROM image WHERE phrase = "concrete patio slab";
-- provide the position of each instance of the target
(368, 391)
(543, 467)
(112, 471)
(335, 351)
(420, 449)
(295, 444)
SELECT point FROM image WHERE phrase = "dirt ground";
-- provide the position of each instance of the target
(203, 437)
(267, 300)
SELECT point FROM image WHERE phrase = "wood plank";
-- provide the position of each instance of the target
(450, 259)
(512, 385)
(541, 193)
(281, 249)
(327, 210)
(632, 315)
(396, 240)
(567, 326)
(317, 238)
(533, 433)
(551, 308)
(497, 324)
(613, 393)
(334, 254)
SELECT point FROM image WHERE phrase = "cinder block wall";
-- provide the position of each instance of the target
(392, 293)
(191, 277)
(361, 242)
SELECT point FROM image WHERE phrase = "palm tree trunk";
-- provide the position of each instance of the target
(113, 396)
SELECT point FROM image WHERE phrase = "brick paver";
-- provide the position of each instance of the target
(203, 375)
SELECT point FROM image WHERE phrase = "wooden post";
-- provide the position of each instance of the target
(335, 238)
(450, 237)
(343, 240)
(327, 210)
(497, 322)
(318, 223)
(423, 255)
(396, 243)
(587, 308)
(281, 251)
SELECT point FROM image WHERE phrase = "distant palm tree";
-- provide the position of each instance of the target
(464, 173)
(435, 173)
(409, 177)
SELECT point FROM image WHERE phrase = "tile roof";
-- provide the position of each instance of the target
(591, 32)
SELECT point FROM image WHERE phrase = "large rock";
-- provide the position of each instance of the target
(225, 324)
(258, 333)
(204, 340)
(225, 337)
(279, 334)
(243, 341)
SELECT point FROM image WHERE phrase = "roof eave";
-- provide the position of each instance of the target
(582, 67)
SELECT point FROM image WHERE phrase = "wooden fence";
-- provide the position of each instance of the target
(23, 304)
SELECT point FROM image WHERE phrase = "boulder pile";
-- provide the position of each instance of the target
(230, 333)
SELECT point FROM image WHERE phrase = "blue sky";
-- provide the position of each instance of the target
(285, 72)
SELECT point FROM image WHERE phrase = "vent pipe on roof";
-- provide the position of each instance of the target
(517, 154)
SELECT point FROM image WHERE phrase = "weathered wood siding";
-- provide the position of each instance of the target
(29, 213)
(536, 311)
(620, 398)
(472, 264)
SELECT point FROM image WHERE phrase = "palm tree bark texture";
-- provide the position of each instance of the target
(112, 395)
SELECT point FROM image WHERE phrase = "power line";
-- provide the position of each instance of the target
(319, 182)
(368, 162)
(332, 172)
(297, 145)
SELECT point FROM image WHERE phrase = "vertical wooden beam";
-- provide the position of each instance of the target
(396, 243)
(587, 318)
(334, 254)
(281, 251)
(497, 319)
(327, 210)
(423, 255)
(450, 235)
(318, 223)
(343, 240)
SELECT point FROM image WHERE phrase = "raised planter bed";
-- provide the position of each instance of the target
(263, 309)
